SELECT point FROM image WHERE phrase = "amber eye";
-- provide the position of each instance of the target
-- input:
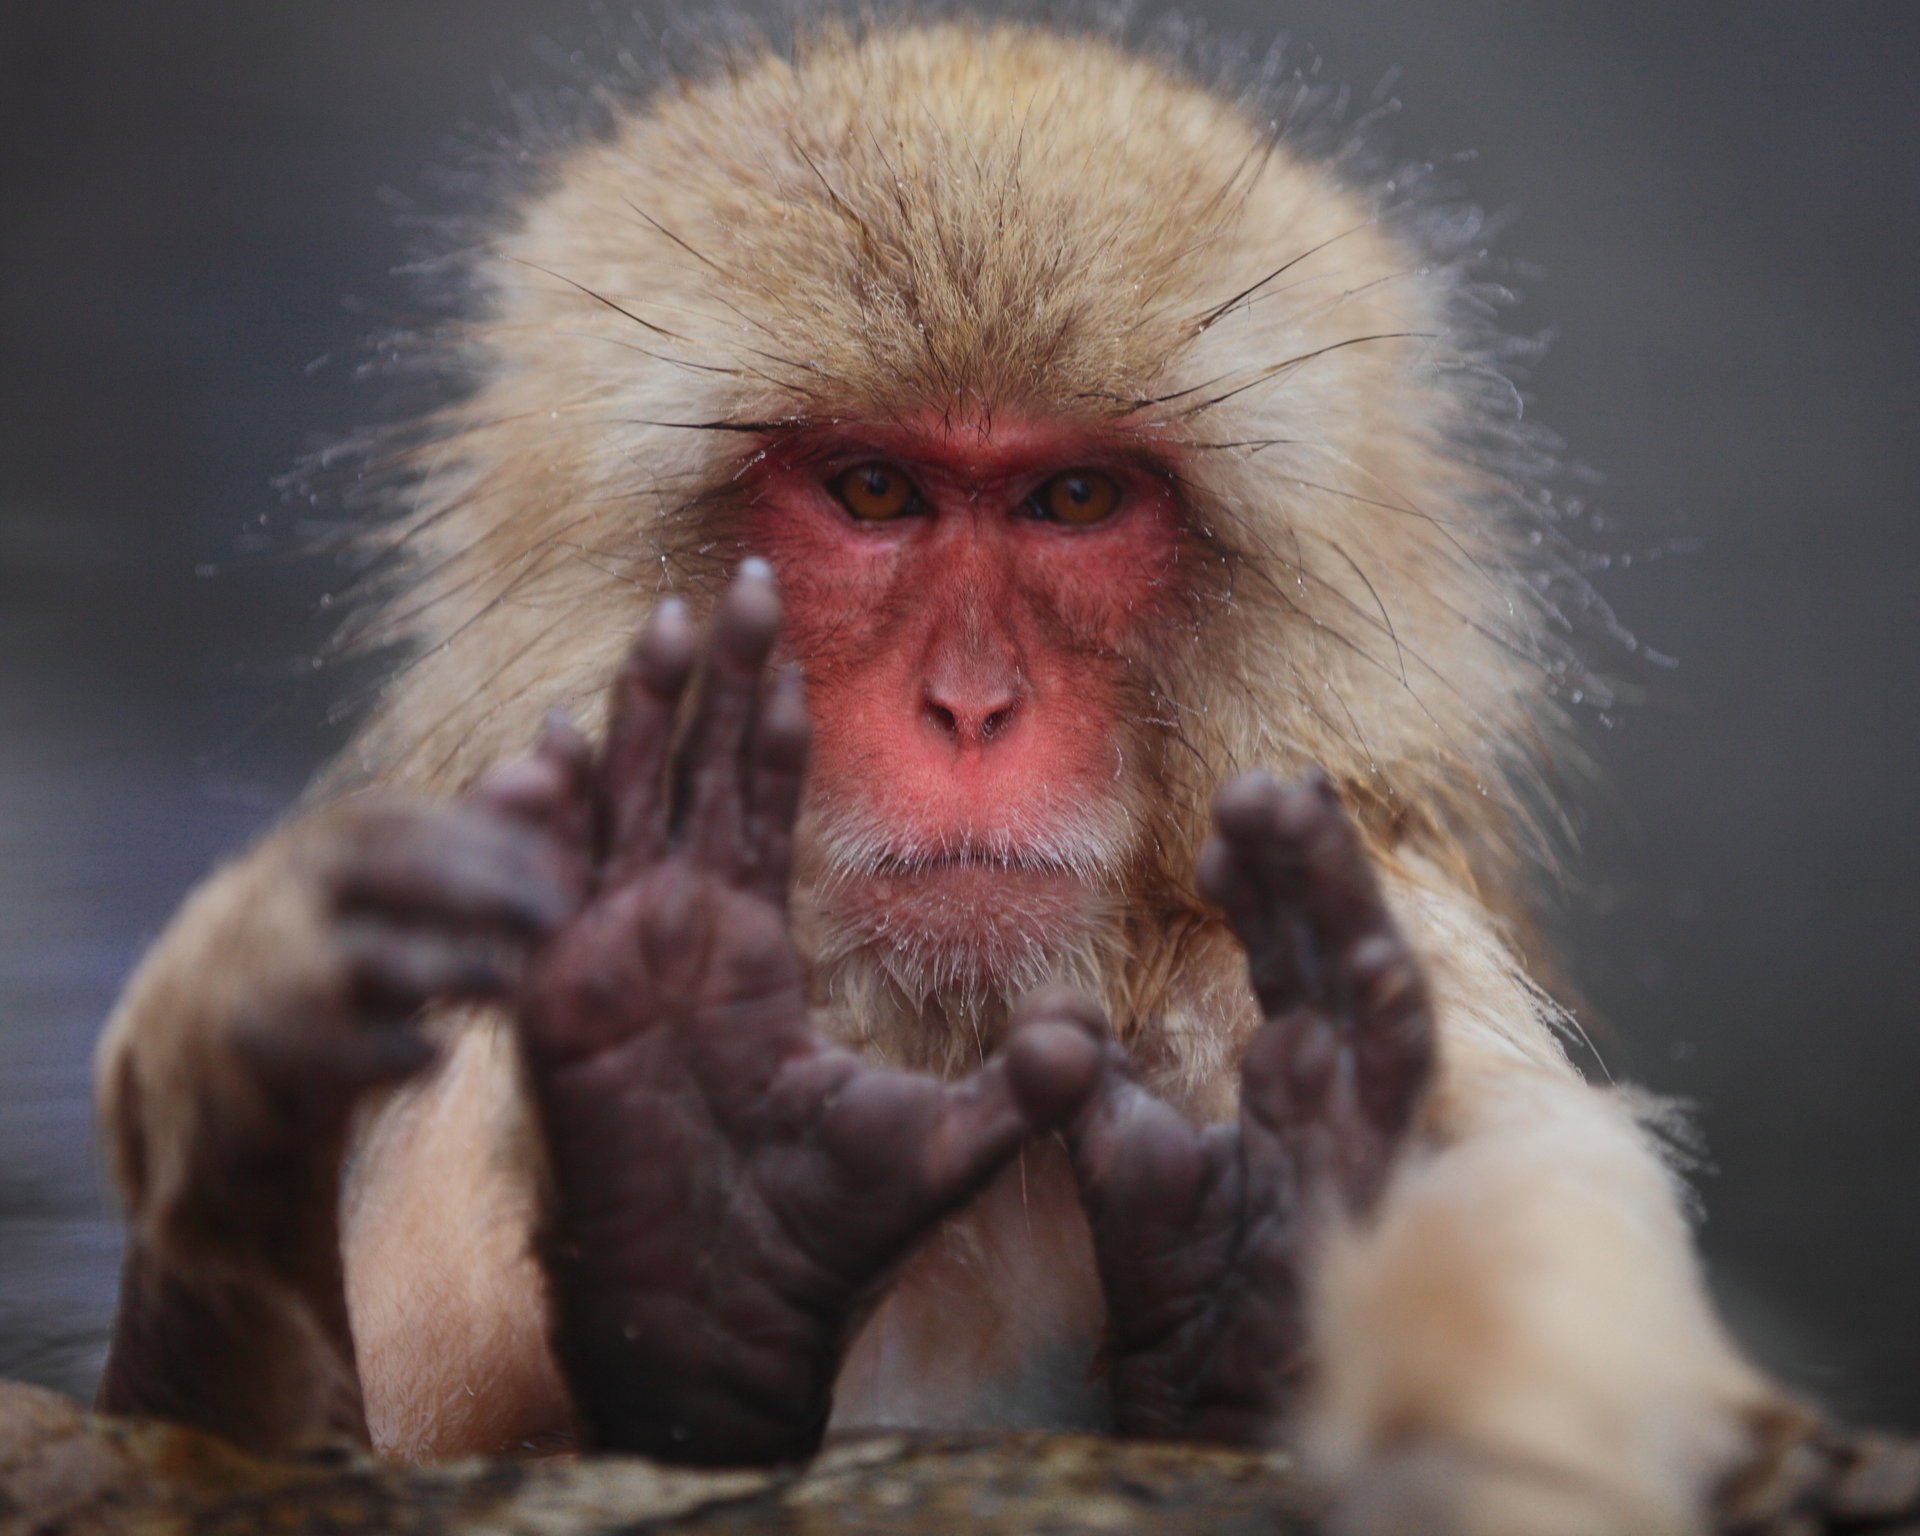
(874, 492)
(1079, 497)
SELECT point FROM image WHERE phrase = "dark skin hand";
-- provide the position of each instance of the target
(1202, 1233)
(237, 1321)
(434, 904)
(731, 1192)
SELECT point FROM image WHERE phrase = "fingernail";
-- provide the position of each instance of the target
(753, 568)
(666, 650)
(1299, 810)
(560, 736)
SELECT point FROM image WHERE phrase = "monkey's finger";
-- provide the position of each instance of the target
(1267, 921)
(299, 1057)
(633, 763)
(399, 971)
(713, 760)
(452, 864)
(979, 1125)
(933, 1146)
(780, 739)
(1373, 979)
(1287, 1086)
(1394, 1041)
(876, 1121)
(1339, 891)
(918, 1145)
(1039, 1081)
(549, 789)
(1252, 814)
(1052, 1064)
(1296, 846)
(1139, 1162)
(526, 789)
(1314, 1131)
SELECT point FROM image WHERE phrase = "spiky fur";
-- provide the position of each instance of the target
(975, 220)
(967, 219)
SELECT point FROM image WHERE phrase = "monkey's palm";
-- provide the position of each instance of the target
(730, 1191)
(1204, 1235)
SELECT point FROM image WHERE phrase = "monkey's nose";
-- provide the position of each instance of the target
(969, 712)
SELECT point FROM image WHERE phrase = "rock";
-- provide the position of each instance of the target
(64, 1472)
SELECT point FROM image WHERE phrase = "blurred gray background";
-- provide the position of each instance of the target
(197, 232)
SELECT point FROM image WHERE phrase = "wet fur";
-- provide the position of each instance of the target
(977, 218)
(980, 219)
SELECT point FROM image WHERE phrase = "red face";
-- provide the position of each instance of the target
(965, 603)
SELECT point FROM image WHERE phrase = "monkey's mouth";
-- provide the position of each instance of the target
(972, 897)
(1086, 850)
(969, 907)
(968, 920)
(962, 885)
(986, 859)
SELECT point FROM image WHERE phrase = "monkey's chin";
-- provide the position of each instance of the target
(972, 925)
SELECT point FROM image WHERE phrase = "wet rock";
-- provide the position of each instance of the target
(64, 1472)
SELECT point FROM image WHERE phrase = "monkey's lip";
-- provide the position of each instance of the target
(1002, 861)
(967, 901)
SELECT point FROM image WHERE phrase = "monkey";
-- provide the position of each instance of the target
(1034, 931)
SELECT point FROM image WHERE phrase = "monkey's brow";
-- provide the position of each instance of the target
(820, 444)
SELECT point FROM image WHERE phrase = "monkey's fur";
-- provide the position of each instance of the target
(970, 219)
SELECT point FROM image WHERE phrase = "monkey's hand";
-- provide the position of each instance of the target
(1203, 1235)
(283, 992)
(730, 1192)
(289, 984)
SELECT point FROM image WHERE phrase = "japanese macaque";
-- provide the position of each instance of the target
(872, 1010)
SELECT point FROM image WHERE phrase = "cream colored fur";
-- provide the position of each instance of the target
(969, 220)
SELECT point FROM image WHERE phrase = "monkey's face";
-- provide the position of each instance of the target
(968, 604)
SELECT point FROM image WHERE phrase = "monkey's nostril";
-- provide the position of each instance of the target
(941, 717)
(996, 722)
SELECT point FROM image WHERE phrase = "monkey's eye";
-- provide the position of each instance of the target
(874, 492)
(1077, 497)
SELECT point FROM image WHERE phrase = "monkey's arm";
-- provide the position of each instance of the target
(729, 1192)
(280, 995)
(1499, 1328)
(1521, 1339)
